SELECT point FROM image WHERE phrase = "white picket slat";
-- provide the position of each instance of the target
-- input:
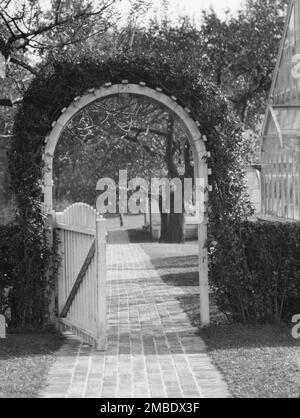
(84, 306)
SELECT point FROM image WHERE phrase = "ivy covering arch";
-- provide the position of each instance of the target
(55, 89)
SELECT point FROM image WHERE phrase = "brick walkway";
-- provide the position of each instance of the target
(153, 351)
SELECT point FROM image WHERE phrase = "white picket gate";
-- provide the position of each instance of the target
(81, 287)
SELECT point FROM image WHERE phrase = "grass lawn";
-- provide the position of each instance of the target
(256, 361)
(24, 362)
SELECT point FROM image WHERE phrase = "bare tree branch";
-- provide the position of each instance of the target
(23, 65)
(6, 102)
(56, 23)
(10, 103)
(57, 10)
(7, 24)
(5, 136)
(135, 140)
(21, 35)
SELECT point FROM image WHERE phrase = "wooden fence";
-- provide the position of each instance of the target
(280, 184)
(81, 287)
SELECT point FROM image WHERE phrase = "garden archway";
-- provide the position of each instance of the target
(194, 136)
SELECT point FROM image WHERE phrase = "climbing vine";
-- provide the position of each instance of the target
(54, 88)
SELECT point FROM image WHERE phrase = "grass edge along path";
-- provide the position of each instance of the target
(25, 360)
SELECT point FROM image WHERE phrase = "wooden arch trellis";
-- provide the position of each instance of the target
(197, 143)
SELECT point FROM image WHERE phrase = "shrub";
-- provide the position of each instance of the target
(24, 248)
(255, 270)
(7, 270)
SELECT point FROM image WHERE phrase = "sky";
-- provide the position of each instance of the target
(191, 8)
(194, 7)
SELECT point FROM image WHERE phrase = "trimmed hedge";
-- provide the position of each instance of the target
(256, 273)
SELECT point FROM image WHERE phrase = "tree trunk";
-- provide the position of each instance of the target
(175, 224)
(164, 219)
(172, 224)
(175, 228)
